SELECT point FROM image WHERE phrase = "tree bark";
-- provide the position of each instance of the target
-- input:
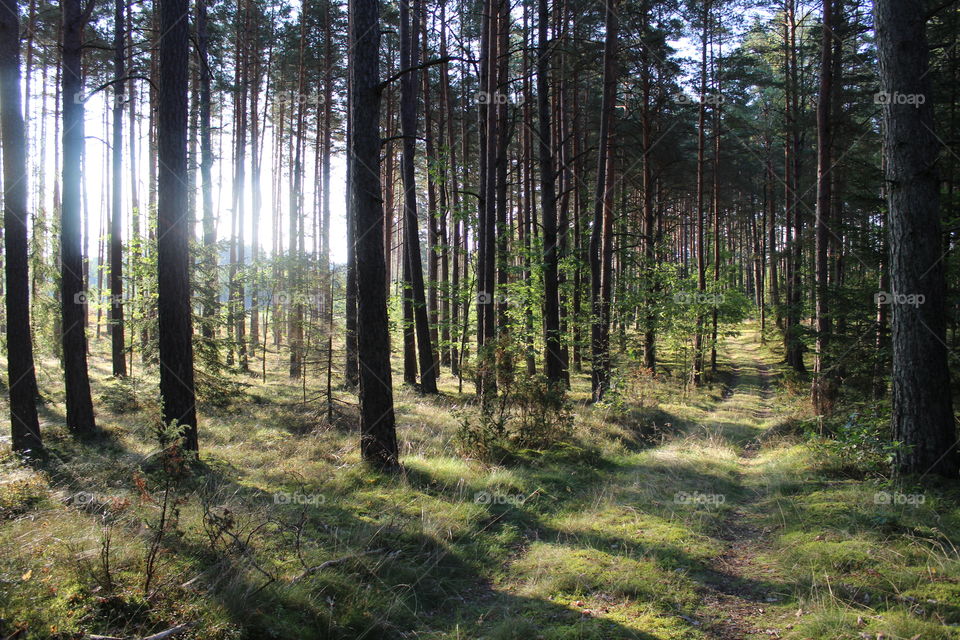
(552, 356)
(378, 439)
(116, 221)
(922, 407)
(21, 376)
(409, 54)
(601, 240)
(823, 390)
(173, 229)
(80, 417)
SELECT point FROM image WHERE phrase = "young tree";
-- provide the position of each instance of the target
(922, 417)
(80, 418)
(22, 379)
(378, 437)
(173, 226)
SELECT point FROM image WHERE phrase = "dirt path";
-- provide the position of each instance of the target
(731, 594)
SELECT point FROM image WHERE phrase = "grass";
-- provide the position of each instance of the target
(278, 531)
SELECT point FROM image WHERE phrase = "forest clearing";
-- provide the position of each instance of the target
(494, 319)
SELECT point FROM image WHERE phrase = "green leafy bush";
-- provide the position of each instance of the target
(529, 414)
(860, 444)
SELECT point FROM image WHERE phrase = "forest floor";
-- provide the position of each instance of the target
(669, 514)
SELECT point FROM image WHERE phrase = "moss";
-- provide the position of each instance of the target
(551, 569)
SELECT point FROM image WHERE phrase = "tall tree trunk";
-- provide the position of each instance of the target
(552, 357)
(256, 199)
(433, 215)
(351, 367)
(295, 268)
(823, 390)
(116, 221)
(701, 178)
(501, 231)
(133, 141)
(649, 219)
(21, 377)
(486, 228)
(922, 419)
(378, 438)
(211, 295)
(601, 240)
(80, 417)
(173, 229)
(717, 119)
(792, 164)
(237, 257)
(325, 162)
(409, 51)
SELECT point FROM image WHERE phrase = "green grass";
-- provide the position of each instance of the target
(279, 531)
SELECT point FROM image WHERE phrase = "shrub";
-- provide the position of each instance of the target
(120, 395)
(529, 414)
(862, 442)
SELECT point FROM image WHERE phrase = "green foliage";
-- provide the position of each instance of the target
(543, 415)
(484, 434)
(220, 393)
(530, 413)
(121, 395)
(21, 494)
(859, 443)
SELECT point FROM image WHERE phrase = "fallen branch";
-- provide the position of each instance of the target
(331, 563)
(169, 633)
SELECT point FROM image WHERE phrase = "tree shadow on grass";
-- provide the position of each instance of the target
(387, 577)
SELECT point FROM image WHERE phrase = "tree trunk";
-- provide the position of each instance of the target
(206, 170)
(823, 390)
(552, 357)
(922, 408)
(701, 146)
(601, 240)
(21, 377)
(378, 438)
(486, 227)
(649, 219)
(116, 221)
(173, 229)
(409, 51)
(80, 417)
